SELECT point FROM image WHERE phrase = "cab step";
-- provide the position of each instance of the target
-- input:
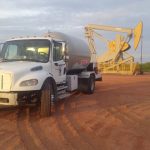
(62, 87)
(64, 95)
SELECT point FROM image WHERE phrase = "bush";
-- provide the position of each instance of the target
(146, 67)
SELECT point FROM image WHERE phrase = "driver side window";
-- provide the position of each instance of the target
(57, 51)
(11, 51)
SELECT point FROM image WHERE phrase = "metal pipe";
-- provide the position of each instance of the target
(109, 28)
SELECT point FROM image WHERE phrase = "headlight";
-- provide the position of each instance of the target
(31, 82)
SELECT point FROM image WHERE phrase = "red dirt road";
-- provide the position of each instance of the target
(115, 117)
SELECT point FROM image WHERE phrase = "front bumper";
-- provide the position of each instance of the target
(8, 99)
(19, 98)
(98, 77)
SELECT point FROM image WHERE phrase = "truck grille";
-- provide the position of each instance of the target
(5, 81)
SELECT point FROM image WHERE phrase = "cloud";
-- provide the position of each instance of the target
(22, 13)
(30, 17)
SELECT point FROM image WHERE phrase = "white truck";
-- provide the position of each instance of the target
(44, 69)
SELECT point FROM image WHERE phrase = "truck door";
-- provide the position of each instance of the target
(59, 65)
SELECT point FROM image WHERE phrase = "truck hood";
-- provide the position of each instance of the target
(18, 66)
(13, 73)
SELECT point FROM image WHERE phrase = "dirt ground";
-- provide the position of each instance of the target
(115, 117)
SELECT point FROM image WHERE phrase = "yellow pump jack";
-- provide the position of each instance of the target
(115, 59)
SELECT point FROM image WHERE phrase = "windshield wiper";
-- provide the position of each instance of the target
(34, 60)
(4, 60)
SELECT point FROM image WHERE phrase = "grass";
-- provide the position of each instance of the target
(146, 67)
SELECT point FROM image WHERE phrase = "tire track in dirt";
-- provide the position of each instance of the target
(104, 124)
(132, 125)
(123, 116)
(87, 137)
(70, 133)
(117, 120)
(7, 141)
(27, 135)
(15, 144)
(7, 134)
(131, 114)
(45, 138)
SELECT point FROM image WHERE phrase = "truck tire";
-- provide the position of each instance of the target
(45, 110)
(91, 85)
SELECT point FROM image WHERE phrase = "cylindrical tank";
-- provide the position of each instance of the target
(76, 49)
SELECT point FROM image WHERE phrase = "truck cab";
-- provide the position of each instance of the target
(34, 70)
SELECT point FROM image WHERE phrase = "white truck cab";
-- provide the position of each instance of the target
(35, 70)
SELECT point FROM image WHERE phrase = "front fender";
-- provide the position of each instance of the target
(41, 76)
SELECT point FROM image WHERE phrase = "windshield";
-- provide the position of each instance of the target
(26, 50)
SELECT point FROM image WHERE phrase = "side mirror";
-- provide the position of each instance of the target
(66, 58)
(1, 45)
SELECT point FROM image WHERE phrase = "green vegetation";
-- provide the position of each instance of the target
(146, 67)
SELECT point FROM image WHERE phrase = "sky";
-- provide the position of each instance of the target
(35, 17)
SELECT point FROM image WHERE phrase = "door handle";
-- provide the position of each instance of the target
(56, 64)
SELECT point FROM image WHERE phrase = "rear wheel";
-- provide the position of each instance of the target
(46, 99)
(91, 85)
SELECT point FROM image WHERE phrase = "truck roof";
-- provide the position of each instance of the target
(33, 38)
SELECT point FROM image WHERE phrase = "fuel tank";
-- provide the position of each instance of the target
(76, 49)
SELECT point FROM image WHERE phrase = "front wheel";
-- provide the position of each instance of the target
(46, 99)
